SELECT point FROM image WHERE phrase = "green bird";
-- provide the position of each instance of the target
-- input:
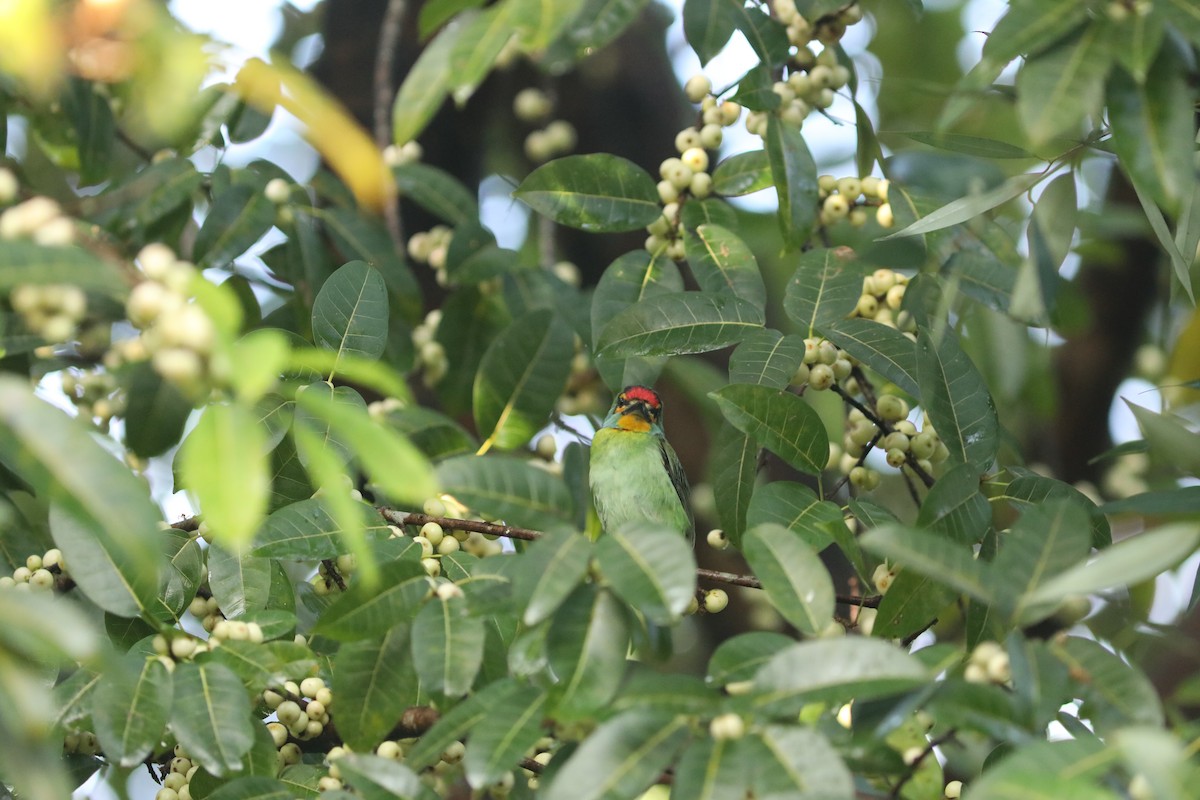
(634, 472)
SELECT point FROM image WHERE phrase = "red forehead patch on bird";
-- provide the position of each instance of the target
(643, 394)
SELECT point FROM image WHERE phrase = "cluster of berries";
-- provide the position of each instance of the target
(687, 175)
(205, 608)
(1122, 10)
(988, 663)
(326, 581)
(39, 574)
(398, 155)
(40, 219)
(851, 198)
(177, 335)
(584, 390)
(556, 138)
(302, 711)
(95, 394)
(52, 311)
(882, 299)
(83, 743)
(901, 443)
(179, 647)
(176, 783)
(430, 354)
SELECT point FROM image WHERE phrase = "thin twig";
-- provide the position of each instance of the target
(491, 528)
(912, 768)
(385, 57)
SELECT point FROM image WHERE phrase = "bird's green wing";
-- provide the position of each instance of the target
(678, 480)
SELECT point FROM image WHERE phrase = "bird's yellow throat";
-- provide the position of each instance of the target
(632, 422)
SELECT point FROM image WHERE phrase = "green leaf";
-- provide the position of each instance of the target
(503, 737)
(252, 787)
(627, 280)
(379, 778)
(955, 507)
(373, 681)
(1184, 15)
(1127, 562)
(548, 571)
(447, 646)
(882, 348)
(224, 462)
(767, 36)
(1183, 500)
(910, 603)
(1059, 88)
(1030, 27)
(1169, 438)
(1151, 134)
(780, 421)
(867, 151)
(713, 769)
(795, 175)
(426, 85)
(797, 508)
(673, 324)
(101, 515)
(767, 358)
(969, 145)
(320, 427)
(156, 412)
(210, 716)
(95, 131)
(454, 724)
(130, 707)
(45, 629)
(507, 487)
(1043, 770)
(238, 217)
(742, 174)
(722, 262)
(957, 399)
(1045, 541)
(738, 659)
(1114, 693)
(1029, 488)
(795, 580)
(600, 193)
(803, 764)
(735, 464)
(824, 289)
(436, 191)
(158, 190)
(539, 23)
(396, 467)
(350, 314)
(708, 25)
(358, 236)
(621, 758)
(965, 208)
(929, 554)
(597, 24)
(240, 584)
(476, 49)
(370, 610)
(307, 530)
(586, 647)
(520, 378)
(650, 568)
(832, 670)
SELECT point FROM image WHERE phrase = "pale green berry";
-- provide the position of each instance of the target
(827, 352)
(835, 207)
(310, 686)
(448, 545)
(842, 369)
(433, 567)
(867, 306)
(279, 733)
(166, 793)
(711, 136)
(717, 539)
(454, 753)
(701, 185)
(820, 377)
(953, 790)
(41, 579)
(884, 216)
(686, 139)
(715, 601)
(896, 457)
(695, 159)
(923, 445)
(895, 296)
(432, 532)
(667, 192)
(726, 727)
(288, 712)
(697, 88)
(851, 187)
(891, 408)
(277, 191)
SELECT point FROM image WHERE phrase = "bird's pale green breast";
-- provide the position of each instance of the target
(629, 481)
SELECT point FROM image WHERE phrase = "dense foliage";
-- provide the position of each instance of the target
(391, 584)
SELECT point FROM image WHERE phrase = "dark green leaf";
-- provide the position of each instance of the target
(238, 218)
(824, 289)
(378, 778)
(780, 421)
(931, 555)
(621, 758)
(965, 208)
(795, 175)
(436, 191)
(957, 399)
(520, 378)
(239, 583)
(766, 357)
(735, 465)
(210, 716)
(458, 721)
(627, 280)
(350, 314)
(742, 174)
(367, 610)
(508, 488)
(600, 192)
(738, 659)
(1029, 28)
(767, 36)
(1059, 88)
(970, 145)
(803, 764)
(155, 412)
(476, 49)
(722, 262)
(252, 787)
(912, 601)
(708, 24)
(92, 117)
(797, 508)
(503, 737)
(586, 647)
(793, 576)
(882, 348)
(832, 670)
(447, 646)
(673, 324)
(425, 86)
(307, 530)
(650, 568)
(373, 681)
(1114, 692)
(1031, 488)
(955, 508)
